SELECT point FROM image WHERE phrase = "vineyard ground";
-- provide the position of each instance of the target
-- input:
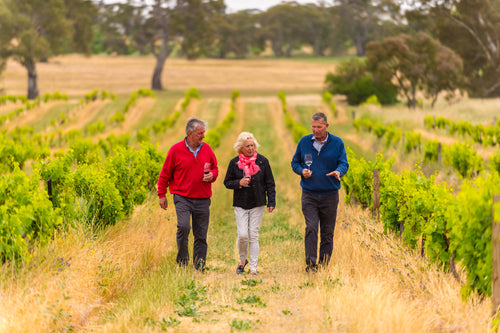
(124, 278)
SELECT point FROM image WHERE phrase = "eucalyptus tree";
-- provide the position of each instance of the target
(236, 33)
(195, 21)
(283, 26)
(318, 27)
(472, 29)
(360, 20)
(31, 31)
(415, 63)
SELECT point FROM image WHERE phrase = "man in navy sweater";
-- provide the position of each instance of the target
(320, 160)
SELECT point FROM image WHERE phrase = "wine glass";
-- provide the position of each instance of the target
(246, 174)
(206, 168)
(308, 160)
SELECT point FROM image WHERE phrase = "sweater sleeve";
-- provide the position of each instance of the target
(231, 181)
(297, 159)
(165, 175)
(342, 165)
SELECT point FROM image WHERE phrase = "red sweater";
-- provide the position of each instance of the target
(183, 172)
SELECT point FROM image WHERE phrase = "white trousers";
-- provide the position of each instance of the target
(248, 225)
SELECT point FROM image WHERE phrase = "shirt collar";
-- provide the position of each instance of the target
(320, 142)
(191, 150)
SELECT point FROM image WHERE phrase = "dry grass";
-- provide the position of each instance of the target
(124, 279)
(76, 75)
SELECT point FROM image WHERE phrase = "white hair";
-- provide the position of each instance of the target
(242, 138)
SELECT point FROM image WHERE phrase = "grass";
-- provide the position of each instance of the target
(124, 278)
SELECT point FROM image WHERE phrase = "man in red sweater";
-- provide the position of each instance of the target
(189, 171)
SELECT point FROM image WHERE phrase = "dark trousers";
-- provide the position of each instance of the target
(199, 211)
(320, 213)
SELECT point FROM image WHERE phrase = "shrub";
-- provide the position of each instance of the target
(463, 159)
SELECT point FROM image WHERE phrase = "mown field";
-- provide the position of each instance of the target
(125, 279)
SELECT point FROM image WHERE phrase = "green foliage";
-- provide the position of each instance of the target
(357, 183)
(393, 135)
(190, 300)
(372, 100)
(353, 80)
(234, 95)
(282, 98)
(190, 93)
(471, 216)
(213, 137)
(328, 99)
(431, 151)
(429, 121)
(118, 117)
(141, 92)
(98, 127)
(130, 171)
(143, 134)
(298, 131)
(415, 62)
(462, 158)
(26, 213)
(101, 203)
(495, 161)
(412, 141)
(244, 325)
(170, 121)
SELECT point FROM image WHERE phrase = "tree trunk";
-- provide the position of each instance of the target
(163, 19)
(156, 81)
(160, 63)
(32, 79)
(360, 43)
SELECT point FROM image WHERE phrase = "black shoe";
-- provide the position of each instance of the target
(241, 268)
(312, 268)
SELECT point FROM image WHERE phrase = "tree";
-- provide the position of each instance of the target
(361, 19)
(194, 21)
(34, 30)
(352, 79)
(414, 63)
(282, 25)
(318, 27)
(235, 33)
(81, 14)
(161, 23)
(471, 28)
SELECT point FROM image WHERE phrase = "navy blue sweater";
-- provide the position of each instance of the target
(331, 158)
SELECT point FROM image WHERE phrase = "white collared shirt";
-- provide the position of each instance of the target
(317, 144)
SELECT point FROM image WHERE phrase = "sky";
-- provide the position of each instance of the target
(236, 5)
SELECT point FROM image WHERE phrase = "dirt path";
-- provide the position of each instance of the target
(134, 115)
(28, 117)
(81, 115)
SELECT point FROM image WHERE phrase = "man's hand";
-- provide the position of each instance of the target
(163, 203)
(335, 174)
(270, 209)
(207, 177)
(306, 173)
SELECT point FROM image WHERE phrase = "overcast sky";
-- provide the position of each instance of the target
(235, 5)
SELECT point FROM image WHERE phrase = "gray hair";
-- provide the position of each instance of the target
(242, 138)
(194, 122)
(319, 116)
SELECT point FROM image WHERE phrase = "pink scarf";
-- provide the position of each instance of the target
(247, 164)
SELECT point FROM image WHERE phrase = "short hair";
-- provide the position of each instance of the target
(242, 138)
(194, 122)
(319, 116)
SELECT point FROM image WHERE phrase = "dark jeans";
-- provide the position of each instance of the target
(199, 211)
(320, 212)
